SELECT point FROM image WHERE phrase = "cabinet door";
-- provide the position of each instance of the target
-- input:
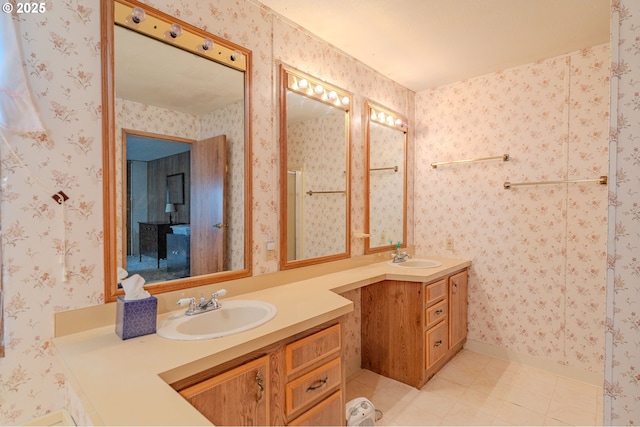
(392, 331)
(457, 308)
(236, 397)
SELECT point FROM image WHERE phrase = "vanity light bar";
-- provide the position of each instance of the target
(317, 89)
(129, 16)
(387, 117)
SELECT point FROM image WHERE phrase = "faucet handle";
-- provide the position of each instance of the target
(185, 301)
(220, 293)
(192, 304)
(214, 298)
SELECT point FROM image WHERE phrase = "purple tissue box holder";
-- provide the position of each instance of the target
(136, 317)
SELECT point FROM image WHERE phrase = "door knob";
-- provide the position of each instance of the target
(220, 225)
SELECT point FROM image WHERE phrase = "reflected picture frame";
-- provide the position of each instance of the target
(175, 188)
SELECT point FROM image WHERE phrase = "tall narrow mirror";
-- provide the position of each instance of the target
(314, 156)
(176, 151)
(386, 178)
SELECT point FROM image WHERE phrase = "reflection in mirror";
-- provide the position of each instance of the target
(314, 147)
(386, 139)
(176, 152)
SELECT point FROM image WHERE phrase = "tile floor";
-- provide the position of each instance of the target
(474, 389)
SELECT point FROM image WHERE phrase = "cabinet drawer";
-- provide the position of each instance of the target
(313, 386)
(435, 291)
(309, 350)
(329, 412)
(437, 344)
(435, 313)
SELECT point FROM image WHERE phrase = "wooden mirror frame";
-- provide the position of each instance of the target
(224, 49)
(399, 123)
(288, 76)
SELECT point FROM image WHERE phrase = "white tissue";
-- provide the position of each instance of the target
(122, 274)
(134, 288)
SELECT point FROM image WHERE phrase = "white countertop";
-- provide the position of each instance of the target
(126, 382)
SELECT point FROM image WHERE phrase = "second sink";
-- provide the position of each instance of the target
(417, 263)
(234, 317)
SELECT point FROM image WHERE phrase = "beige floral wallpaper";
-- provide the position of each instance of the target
(622, 358)
(539, 253)
(52, 254)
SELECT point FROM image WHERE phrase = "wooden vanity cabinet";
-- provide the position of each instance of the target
(411, 329)
(458, 294)
(315, 379)
(236, 397)
(297, 381)
(392, 332)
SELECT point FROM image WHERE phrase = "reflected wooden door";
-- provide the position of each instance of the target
(208, 207)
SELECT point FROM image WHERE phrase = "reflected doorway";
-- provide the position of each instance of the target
(295, 203)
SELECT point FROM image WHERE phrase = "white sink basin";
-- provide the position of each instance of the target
(416, 263)
(234, 317)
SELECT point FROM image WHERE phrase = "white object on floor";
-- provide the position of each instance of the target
(361, 412)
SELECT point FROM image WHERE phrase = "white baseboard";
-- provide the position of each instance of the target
(592, 378)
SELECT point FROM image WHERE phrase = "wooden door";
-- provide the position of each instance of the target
(208, 205)
(234, 398)
(457, 308)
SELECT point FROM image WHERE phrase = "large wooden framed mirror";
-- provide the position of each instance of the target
(176, 151)
(314, 177)
(386, 178)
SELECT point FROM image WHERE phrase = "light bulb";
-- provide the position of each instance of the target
(318, 89)
(303, 84)
(236, 55)
(175, 30)
(333, 95)
(381, 116)
(207, 44)
(345, 100)
(138, 15)
(399, 122)
(390, 120)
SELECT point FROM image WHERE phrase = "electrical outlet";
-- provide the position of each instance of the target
(449, 244)
(270, 250)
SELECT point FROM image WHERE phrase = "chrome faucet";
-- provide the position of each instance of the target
(399, 256)
(204, 304)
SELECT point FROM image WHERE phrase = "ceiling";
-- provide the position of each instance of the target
(426, 43)
(155, 73)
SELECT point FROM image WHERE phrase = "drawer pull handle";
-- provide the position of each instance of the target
(318, 384)
(439, 312)
(437, 344)
(260, 382)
